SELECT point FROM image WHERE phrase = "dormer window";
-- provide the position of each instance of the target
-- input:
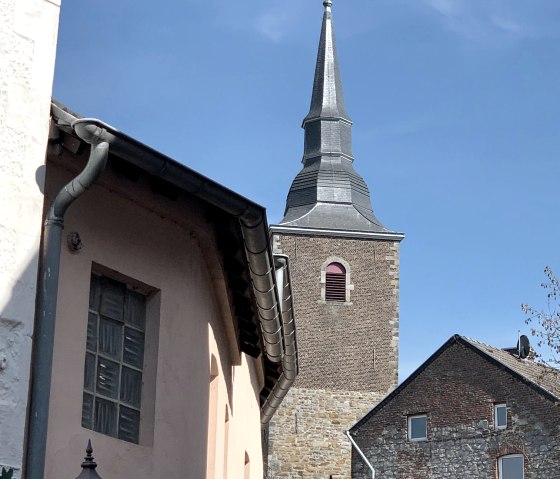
(335, 283)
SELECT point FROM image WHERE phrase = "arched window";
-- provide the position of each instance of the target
(511, 466)
(335, 283)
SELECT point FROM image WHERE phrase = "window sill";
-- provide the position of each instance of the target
(335, 303)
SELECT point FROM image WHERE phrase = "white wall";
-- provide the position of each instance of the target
(28, 33)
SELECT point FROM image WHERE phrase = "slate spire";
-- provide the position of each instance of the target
(327, 117)
(328, 193)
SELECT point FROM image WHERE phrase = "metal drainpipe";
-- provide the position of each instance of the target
(362, 455)
(43, 338)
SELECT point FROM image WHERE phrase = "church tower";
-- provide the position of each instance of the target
(345, 282)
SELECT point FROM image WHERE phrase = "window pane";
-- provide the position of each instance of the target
(114, 359)
(131, 386)
(105, 417)
(418, 427)
(501, 416)
(135, 312)
(129, 424)
(107, 378)
(94, 293)
(512, 467)
(89, 372)
(133, 347)
(91, 342)
(110, 337)
(112, 299)
(87, 411)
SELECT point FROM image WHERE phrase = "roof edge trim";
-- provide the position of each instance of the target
(298, 230)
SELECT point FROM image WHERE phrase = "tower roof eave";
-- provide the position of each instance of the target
(328, 193)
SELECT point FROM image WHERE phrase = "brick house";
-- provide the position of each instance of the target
(471, 410)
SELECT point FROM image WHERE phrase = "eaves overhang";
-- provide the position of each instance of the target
(252, 225)
(336, 233)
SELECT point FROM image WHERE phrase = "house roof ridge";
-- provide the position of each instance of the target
(492, 354)
(532, 372)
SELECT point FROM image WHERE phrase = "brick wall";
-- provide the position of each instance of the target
(348, 353)
(458, 392)
(351, 346)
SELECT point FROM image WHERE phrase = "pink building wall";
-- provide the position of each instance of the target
(169, 247)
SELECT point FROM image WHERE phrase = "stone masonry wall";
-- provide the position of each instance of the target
(347, 353)
(308, 432)
(458, 392)
(28, 33)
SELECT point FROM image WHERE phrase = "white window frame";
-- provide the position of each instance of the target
(409, 427)
(510, 456)
(496, 425)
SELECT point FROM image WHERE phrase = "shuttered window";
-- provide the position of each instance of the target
(114, 359)
(335, 283)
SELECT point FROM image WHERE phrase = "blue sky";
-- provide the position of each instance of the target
(456, 110)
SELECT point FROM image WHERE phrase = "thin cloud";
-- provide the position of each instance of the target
(445, 7)
(279, 20)
(488, 21)
(274, 20)
(507, 25)
(273, 25)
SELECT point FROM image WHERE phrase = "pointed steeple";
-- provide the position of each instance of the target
(328, 193)
(327, 119)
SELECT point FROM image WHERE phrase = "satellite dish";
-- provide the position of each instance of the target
(523, 346)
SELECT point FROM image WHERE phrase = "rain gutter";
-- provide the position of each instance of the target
(43, 336)
(290, 358)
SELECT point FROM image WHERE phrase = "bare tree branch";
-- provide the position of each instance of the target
(545, 323)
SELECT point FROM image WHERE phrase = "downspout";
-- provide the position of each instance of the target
(362, 455)
(43, 338)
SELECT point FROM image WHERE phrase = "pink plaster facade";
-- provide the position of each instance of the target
(200, 413)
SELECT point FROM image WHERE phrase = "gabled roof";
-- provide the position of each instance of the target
(542, 379)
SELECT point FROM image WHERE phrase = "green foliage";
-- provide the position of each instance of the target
(546, 322)
(7, 473)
